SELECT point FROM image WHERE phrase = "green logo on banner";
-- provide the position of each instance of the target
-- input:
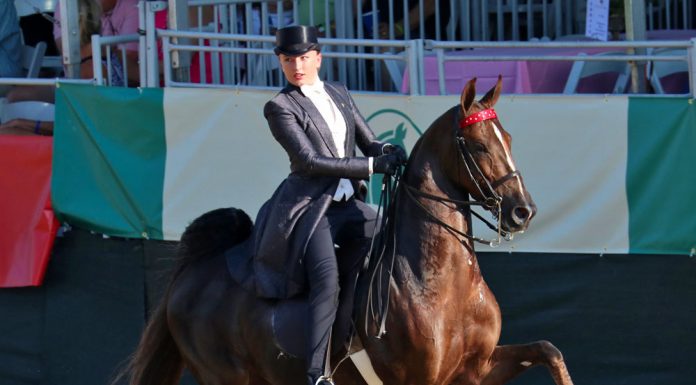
(402, 124)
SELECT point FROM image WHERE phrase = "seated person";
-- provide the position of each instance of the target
(90, 14)
(118, 17)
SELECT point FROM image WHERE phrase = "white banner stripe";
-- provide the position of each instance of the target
(572, 154)
(220, 153)
(570, 151)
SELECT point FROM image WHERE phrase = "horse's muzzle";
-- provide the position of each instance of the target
(518, 217)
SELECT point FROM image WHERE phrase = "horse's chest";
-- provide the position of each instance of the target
(437, 338)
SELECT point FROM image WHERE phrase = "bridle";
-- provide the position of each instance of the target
(391, 185)
(491, 200)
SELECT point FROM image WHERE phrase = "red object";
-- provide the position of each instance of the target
(27, 223)
(195, 71)
(478, 117)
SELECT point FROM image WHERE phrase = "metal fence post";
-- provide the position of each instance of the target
(70, 38)
(142, 41)
(178, 20)
(96, 61)
(152, 60)
(691, 53)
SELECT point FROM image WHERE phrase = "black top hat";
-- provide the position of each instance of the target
(296, 40)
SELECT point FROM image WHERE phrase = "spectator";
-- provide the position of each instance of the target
(207, 17)
(118, 17)
(10, 43)
(412, 23)
(90, 16)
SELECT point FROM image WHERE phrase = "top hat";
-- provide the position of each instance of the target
(296, 40)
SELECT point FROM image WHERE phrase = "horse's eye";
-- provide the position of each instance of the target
(477, 147)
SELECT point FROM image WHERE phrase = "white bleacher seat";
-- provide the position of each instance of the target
(582, 69)
(32, 58)
(31, 110)
(659, 69)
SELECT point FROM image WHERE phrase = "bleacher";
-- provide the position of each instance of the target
(228, 43)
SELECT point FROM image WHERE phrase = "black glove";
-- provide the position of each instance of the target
(397, 150)
(386, 164)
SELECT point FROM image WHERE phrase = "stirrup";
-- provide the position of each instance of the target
(323, 380)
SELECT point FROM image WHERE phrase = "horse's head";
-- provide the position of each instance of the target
(489, 172)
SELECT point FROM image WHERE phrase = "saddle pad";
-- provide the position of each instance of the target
(239, 265)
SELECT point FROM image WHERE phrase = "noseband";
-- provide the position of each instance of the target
(491, 200)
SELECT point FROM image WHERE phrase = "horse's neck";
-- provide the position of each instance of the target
(430, 250)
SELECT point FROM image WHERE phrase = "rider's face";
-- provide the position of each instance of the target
(302, 69)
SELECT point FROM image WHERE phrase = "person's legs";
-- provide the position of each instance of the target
(322, 273)
(351, 225)
(354, 228)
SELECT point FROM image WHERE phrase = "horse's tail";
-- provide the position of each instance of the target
(213, 233)
(157, 361)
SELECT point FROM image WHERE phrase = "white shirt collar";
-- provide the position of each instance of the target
(317, 88)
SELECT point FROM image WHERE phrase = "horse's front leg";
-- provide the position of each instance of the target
(508, 361)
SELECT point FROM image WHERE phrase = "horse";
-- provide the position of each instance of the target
(426, 315)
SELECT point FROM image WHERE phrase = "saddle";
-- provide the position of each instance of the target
(289, 316)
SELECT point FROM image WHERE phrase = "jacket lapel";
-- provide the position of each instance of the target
(317, 119)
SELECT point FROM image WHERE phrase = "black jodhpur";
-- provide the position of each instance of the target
(349, 224)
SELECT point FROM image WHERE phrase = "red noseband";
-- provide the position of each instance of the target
(478, 117)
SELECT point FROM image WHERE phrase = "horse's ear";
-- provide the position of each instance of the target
(468, 96)
(491, 98)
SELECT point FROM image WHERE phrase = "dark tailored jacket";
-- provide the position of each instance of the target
(286, 222)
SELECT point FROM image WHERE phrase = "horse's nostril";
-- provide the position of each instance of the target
(521, 214)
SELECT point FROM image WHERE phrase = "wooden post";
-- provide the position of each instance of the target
(635, 30)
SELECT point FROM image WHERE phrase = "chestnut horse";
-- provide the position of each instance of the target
(425, 290)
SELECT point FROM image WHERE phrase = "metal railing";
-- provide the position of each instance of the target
(102, 47)
(632, 58)
(344, 59)
(42, 81)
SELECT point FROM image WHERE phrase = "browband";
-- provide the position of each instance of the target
(478, 117)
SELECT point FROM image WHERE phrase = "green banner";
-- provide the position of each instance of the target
(109, 154)
(661, 175)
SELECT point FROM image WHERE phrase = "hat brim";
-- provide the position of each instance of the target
(297, 49)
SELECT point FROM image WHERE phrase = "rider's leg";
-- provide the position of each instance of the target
(322, 275)
(354, 235)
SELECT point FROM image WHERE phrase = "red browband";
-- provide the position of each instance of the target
(477, 117)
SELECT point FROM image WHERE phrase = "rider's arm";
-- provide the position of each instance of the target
(289, 130)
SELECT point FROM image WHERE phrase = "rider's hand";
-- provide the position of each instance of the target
(397, 150)
(386, 164)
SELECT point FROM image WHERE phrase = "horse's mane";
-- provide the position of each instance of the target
(443, 120)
